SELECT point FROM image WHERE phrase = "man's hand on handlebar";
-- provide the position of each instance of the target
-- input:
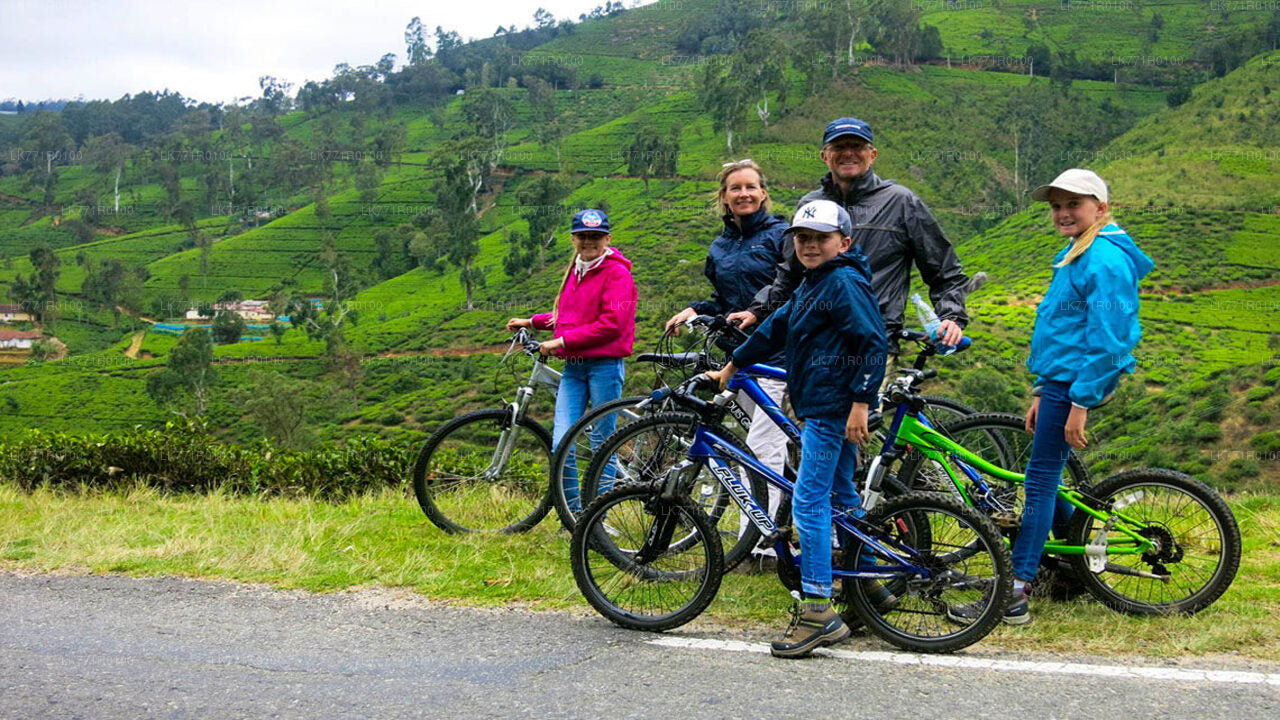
(743, 319)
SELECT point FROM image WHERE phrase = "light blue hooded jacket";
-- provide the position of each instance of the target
(1087, 324)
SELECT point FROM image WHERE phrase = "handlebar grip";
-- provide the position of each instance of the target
(928, 374)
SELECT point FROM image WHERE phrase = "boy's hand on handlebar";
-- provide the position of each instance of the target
(680, 318)
(722, 375)
(743, 319)
(949, 333)
(1075, 427)
(515, 324)
(855, 428)
(549, 347)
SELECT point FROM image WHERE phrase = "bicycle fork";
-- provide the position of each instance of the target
(507, 439)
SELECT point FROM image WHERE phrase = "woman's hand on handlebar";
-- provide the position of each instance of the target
(515, 324)
(680, 318)
(549, 347)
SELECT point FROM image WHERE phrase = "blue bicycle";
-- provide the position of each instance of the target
(646, 556)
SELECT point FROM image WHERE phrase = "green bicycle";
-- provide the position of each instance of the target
(1146, 541)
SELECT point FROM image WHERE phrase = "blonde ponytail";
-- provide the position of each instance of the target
(1085, 240)
(564, 281)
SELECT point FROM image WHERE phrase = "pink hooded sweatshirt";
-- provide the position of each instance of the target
(597, 315)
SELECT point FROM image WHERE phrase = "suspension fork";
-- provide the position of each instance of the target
(507, 439)
(658, 539)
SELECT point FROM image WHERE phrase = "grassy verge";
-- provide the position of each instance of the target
(383, 540)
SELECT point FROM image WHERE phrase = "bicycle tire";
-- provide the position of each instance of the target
(636, 596)
(645, 460)
(1208, 573)
(570, 453)
(980, 572)
(988, 436)
(452, 494)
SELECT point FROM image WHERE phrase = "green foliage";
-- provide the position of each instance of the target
(188, 376)
(183, 458)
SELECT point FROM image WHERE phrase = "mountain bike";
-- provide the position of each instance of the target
(647, 557)
(486, 471)
(645, 455)
(1145, 541)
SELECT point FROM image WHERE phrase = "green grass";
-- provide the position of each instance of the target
(384, 540)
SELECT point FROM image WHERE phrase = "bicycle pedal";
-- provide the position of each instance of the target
(782, 534)
(1007, 520)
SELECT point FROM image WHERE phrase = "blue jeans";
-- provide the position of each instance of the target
(827, 463)
(594, 381)
(1043, 509)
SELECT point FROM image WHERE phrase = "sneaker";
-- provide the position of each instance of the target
(1018, 612)
(814, 626)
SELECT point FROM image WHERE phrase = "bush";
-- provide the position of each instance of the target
(1208, 432)
(1262, 392)
(1273, 376)
(184, 458)
(1240, 469)
(391, 417)
(1266, 441)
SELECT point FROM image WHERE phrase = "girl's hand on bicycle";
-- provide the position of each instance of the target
(679, 319)
(515, 324)
(1032, 412)
(1075, 427)
(855, 428)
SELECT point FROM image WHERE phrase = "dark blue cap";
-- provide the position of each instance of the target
(847, 126)
(590, 220)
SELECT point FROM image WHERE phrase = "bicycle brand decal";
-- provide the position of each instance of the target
(752, 508)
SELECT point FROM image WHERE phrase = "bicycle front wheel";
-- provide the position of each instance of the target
(573, 456)
(466, 479)
(632, 576)
(961, 560)
(643, 452)
(1196, 543)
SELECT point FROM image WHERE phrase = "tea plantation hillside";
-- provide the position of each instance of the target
(1194, 180)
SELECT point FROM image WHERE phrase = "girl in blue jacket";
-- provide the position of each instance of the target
(1086, 329)
(835, 344)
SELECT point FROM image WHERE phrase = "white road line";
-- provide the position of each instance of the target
(974, 663)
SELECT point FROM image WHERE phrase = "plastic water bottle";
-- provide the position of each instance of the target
(929, 320)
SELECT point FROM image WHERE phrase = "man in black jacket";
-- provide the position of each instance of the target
(893, 227)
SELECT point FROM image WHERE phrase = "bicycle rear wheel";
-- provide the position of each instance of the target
(645, 450)
(638, 590)
(464, 485)
(964, 560)
(1197, 541)
(578, 446)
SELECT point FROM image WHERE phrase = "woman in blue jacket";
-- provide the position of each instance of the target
(741, 261)
(1086, 329)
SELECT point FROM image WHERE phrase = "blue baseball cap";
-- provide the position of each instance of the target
(590, 220)
(823, 216)
(847, 126)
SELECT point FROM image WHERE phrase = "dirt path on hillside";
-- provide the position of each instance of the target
(135, 344)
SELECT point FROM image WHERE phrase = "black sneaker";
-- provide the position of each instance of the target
(814, 626)
(1018, 612)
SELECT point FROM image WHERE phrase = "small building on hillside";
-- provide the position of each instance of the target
(18, 339)
(253, 310)
(14, 313)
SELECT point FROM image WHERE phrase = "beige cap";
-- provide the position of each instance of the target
(1075, 180)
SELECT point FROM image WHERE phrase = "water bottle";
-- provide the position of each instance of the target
(929, 320)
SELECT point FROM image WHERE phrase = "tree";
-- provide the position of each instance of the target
(898, 33)
(542, 99)
(650, 154)
(36, 292)
(114, 287)
(48, 140)
(415, 39)
(188, 375)
(542, 208)
(543, 19)
(456, 196)
(108, 155)
(228, 327)
(278, 404)
(724, 93)
(275, 95)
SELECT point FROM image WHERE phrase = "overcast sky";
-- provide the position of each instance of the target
(215, 50)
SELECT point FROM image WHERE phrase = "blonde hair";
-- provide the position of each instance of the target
(1085, 240)
(718, 205)
(564, 281)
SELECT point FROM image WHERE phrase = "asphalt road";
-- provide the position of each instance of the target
(117, 647)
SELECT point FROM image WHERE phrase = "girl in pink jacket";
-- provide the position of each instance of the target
(594, 319)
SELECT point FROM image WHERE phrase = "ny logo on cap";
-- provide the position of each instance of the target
(809, 211)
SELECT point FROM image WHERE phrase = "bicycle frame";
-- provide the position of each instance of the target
(710, 448)
(908, 428)
(542, 375)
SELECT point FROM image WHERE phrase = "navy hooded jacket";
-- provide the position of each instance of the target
(834, 338)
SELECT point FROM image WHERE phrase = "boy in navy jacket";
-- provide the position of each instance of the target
(835, 347)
